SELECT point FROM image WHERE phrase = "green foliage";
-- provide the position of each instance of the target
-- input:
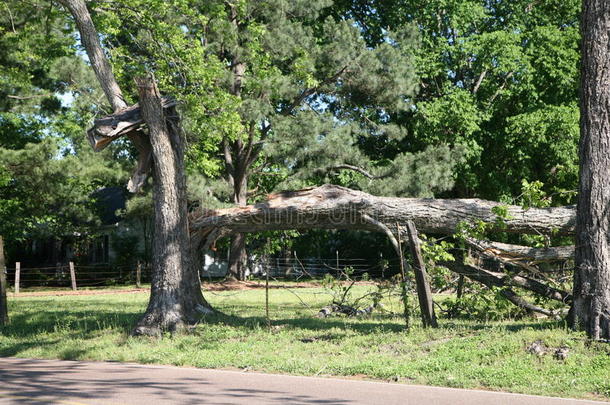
(45, 193)
(485, 304)
(48, 95)
(311, 92)
(498, 78)
(437, 251)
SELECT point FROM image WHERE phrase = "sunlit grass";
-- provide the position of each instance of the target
(458, 354)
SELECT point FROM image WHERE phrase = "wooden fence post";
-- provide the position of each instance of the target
(267, 299)
(403, 283)
(73, 276)
(424, 294)
(338, 272)
(3, 301)
(139, 274)
(17, 276)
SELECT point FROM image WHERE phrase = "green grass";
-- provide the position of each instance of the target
(460, 353)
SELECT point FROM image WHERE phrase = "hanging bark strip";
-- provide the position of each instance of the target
(423, 288)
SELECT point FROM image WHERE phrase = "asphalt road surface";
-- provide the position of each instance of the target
(25, 381)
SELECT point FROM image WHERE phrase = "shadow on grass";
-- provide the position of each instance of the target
(41, 321)
(382, 322)
(46, 325)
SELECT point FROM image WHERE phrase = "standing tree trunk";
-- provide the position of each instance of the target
(238, 256)
(176, 299)
(591, 305)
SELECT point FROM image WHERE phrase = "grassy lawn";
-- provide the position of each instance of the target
(458, 354)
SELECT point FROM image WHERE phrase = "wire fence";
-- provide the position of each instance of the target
(71, 275)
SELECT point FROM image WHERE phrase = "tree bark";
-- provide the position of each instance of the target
(335, 207)
(523, 255)
(591, 308)
(504, 282)
(90, 40)
(238, 257)
(103, 71)
(176, 299)
(424, 294)
(239, 165)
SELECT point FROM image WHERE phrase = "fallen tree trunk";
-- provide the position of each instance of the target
(335, 207)
(522, 254)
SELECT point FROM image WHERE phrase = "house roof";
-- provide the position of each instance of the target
(109, 201)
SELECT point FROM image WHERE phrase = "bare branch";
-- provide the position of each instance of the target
(99, 62)
(479, 81)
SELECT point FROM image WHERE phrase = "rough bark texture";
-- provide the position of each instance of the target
(591, 309)
(176, 299)
(127, 121)
(122, 122)
(3, 286)
(238, 256)
(335, 207)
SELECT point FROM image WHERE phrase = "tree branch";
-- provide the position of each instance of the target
(99, 62)
(479, 81)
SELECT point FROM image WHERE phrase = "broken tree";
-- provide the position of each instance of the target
(335, 207)
(176, 299)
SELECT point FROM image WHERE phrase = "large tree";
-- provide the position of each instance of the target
(498, 78)
(176, 299)
(591, 310)
(306, 85)
(298, 94)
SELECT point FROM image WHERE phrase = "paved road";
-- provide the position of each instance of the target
(24, 381)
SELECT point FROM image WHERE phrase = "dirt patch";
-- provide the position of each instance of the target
(79, 292)
(232, 285)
